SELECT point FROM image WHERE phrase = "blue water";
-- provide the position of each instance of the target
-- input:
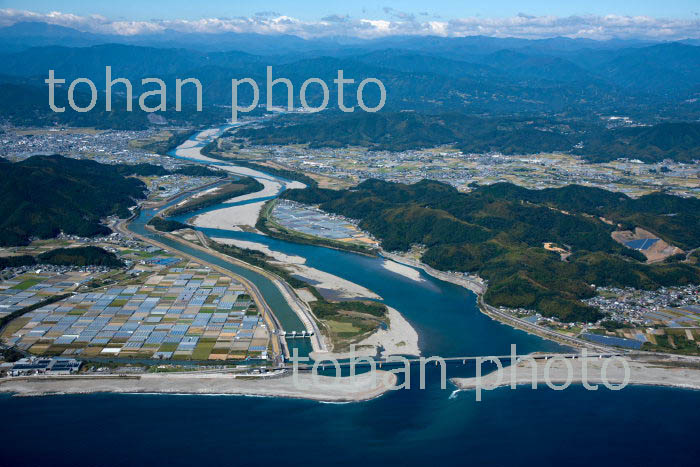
(637, 425)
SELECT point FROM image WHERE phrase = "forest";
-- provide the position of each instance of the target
(46, 195)
(498, 232)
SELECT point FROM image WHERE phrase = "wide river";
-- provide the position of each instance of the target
(637, 425)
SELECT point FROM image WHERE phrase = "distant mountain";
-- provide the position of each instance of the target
(89, 62)
(417, 90)
(26, 104)
(662, 69)
(415, 62)
(45, 195)
(474, 75)
(465, 47)
(695, 42)
(23, 35)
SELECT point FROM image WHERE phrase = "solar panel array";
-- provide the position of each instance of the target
(614, 341)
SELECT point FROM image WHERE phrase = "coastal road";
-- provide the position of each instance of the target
(479, 289)
(539, 330)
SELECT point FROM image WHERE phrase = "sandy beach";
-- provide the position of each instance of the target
(399, 339)
(329, 285)
(643, 370)
(360, 388)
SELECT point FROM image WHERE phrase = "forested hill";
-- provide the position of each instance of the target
(498, 231)
(675, 141)
(81, 256)
(44, 195)
(409, 130)
(75, 256)
(402, 131)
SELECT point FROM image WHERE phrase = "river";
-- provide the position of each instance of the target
(407, 427)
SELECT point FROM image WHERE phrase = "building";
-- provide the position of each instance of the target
(48, 366)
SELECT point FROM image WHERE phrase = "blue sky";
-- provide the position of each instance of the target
(592, 19)
(316, 9)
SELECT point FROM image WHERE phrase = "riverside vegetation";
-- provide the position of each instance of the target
(242, 186)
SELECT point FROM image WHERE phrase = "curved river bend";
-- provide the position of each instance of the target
(637, 425)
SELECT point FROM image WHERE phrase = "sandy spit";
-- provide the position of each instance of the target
(473, 283)
(404, 270)
(399, 339)
(230, 218)
(270, 188)
(360, 388)
(338, 286)
(642, 371)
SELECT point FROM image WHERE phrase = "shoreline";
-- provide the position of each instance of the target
(644, 370)
(326, 389)
(474, 283)
(478, 286)
(402, 270)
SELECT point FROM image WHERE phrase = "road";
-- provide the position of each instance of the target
(479, 289)
(299, 306)
(279, 345)
(538, 330)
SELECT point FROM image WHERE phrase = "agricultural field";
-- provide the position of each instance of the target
(177, 313)
(32, 287)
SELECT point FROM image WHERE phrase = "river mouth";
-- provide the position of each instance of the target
(445, 315)
(638, 425)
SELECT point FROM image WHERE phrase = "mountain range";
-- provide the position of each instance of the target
(561, 78)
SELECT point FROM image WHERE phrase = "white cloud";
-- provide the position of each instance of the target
(521, 25)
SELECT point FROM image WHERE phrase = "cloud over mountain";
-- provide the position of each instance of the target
(395, 23)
